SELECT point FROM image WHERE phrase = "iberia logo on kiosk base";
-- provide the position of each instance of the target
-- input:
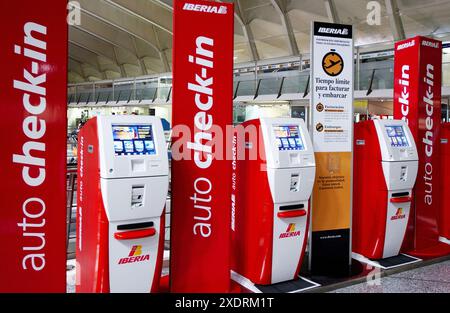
(290, 232)
(135, 255)
(399, 215)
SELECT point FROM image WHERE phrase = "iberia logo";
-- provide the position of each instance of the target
(135, 251)
(399, 215)
(290, 232)
(135, 255)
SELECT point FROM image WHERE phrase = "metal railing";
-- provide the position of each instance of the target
(369, 76)
(125, 94)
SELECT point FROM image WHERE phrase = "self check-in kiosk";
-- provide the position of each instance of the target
(123, 184)
(444, 212)
(385, 166)
(274, 181)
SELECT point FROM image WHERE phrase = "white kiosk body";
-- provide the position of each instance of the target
(272, 200)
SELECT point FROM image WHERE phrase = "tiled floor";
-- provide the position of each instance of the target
(70, 287)
(433, 278)
(429, 279)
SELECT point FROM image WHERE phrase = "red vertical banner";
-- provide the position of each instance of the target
(417, 100)
(33, 87)
(201, 175)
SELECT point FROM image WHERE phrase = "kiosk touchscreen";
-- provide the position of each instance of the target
(386, 163)
(274, 182)
(123, 184)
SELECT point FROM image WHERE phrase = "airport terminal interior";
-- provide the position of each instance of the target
(120, 76)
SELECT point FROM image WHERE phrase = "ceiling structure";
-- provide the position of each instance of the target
(130, 38)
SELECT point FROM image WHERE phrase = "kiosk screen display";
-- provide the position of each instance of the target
(397, 136)
(133, 140)
(288, 137)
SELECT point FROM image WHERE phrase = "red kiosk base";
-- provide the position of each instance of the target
(439, 250)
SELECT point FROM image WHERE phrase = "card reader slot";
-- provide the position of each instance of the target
(135, 226)
(400, 194)
(291, 211)
(292, 207)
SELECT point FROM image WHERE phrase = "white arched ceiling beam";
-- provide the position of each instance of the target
(101, 38)
(123, 72)
(162, 52)
(140, 59)
(153, 25)
(101, 47)
(113, 35)
(163, 5)
(117, 18)
(122, 27)
(116, 45)
(95, 53)
(86, 63)
(332, 11)
(281, 8)
(112, 24)
(122, 7)
(104, 49)
(77, 68)
(248, 33)
(152, 67)
(269, 34)
(82, 62)
(395, 19)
